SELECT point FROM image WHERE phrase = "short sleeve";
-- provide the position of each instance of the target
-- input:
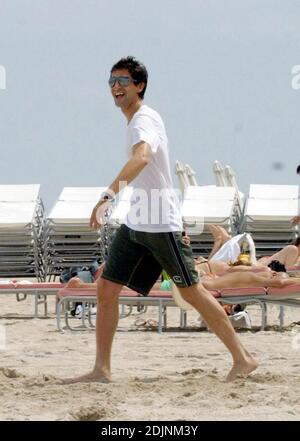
(143, 129)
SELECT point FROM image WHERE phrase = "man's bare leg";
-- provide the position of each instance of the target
(218, 322)
(106, 325)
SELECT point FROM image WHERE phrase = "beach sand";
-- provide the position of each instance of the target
(178, 375)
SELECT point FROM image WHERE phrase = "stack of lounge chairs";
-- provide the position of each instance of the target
(267, 216)
(186, 175)
(21, 222)
(68, 239)
(225, 177)
(208, 205)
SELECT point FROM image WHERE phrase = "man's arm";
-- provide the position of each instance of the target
(141, 153)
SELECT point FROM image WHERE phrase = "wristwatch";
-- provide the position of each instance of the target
(106, 196)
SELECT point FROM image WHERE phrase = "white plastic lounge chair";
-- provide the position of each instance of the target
(267, 216)
(231, 182)
(219, 172)
(182, 175)
(18, 193)
(21, 222)
(213, 204)
(191, 175)
(68, 239)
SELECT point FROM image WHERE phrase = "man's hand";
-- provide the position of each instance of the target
(295, 220)
(96, 219)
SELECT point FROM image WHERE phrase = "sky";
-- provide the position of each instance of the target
(220, 75)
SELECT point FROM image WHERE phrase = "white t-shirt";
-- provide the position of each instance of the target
(154, 203)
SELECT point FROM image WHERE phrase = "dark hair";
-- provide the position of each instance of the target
(298, 169)
(297, 242)
(277, 266)
(136, 69)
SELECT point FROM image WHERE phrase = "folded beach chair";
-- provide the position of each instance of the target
(231, 182)
(21, 223)
(182, 175)
(267, 216)
(68, 239)
(219, 173)
(191, 175)
(203, 205)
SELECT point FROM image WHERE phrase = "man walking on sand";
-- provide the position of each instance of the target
(150, 239)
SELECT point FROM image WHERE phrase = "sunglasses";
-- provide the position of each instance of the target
(123, 81)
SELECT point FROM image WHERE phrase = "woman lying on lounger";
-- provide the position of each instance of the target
(288, 256)
(213, 266)
(214, 282)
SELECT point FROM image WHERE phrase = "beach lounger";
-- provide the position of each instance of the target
(288, 296)
(39, 291)
(129, 298)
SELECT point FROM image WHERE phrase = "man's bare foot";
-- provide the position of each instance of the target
(242, 368)
(93, 377)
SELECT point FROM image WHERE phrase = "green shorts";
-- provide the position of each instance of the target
(136, 259)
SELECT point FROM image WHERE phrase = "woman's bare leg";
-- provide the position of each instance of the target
(220, 236)
(75, 282)
(225, 235)
(218, 239)
(287, 256)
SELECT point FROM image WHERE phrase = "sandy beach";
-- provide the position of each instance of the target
(178, 375)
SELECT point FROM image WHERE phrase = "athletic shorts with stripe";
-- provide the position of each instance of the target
(136, 259)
